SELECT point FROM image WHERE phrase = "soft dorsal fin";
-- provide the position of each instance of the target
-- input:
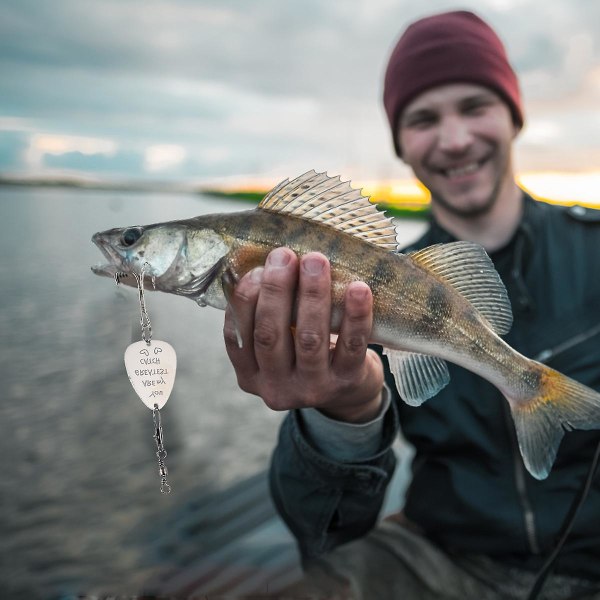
(467, 267)
(332, 202)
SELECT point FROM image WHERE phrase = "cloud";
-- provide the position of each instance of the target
(120, 164)
(42, 145)
(162, 157)
(244, 86)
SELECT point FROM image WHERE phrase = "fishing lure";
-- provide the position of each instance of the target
(151, 366)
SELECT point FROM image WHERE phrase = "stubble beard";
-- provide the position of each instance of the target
(477, 211)
(470, 212)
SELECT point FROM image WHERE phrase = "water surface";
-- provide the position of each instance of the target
(79, 477)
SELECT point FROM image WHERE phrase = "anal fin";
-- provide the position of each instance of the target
(418, 376)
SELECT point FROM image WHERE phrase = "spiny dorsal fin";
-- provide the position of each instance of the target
(467, 267)
(332, 202)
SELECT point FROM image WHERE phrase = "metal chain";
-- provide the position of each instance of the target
(161, 453)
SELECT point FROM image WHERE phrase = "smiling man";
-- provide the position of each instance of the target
(474, 524)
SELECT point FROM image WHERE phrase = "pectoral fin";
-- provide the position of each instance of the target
(228, 282)
(418, 376)
(197, 286)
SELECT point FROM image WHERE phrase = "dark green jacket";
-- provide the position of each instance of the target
(470, 492)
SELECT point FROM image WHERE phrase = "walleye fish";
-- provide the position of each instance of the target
(442, 303)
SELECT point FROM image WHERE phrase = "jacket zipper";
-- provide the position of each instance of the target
(524, 302)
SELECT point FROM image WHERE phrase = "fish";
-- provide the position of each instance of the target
(444, 303)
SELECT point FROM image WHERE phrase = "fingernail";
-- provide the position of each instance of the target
(313, 265)
(256, 274)
(278, 258)
(358, 292)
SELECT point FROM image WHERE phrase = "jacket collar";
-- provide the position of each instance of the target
(436, 234)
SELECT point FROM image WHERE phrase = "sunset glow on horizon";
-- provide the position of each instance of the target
(552, 186)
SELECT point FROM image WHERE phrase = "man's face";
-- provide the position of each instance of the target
(457, 138)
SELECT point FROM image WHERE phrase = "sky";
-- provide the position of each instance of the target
(222, 90)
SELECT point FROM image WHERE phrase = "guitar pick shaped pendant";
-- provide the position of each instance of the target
(151, 370)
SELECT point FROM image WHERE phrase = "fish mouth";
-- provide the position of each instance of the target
(116, 268)
(113, 266)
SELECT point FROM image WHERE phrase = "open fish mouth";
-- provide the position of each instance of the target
(112, 267)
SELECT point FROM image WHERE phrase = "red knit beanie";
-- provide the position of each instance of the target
(446, 48)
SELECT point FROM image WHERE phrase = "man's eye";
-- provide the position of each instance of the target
(476, 108)
(420, 122)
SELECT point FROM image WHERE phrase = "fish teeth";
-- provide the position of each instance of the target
(459, 171)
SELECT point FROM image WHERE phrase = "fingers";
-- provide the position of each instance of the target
(355, 330)
(239, 320)
(314, 316)
(273, 343)
(294, 371)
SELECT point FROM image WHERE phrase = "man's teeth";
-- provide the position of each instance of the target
(459, 171)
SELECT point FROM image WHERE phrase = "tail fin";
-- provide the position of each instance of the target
(561, 404)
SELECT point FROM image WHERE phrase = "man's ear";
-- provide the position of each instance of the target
(516, 130)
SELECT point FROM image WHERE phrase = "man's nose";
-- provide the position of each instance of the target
(454, 134)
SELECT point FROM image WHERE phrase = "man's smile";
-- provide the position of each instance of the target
(458, 170)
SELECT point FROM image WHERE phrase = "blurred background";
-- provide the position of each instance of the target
(121, 112)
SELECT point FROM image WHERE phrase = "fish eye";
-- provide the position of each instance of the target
(131, 236)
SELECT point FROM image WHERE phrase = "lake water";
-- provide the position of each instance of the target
(79, 475)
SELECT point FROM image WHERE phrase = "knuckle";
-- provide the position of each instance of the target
(311, 398)
(265, 337)
(273, 288)
(245, 386)
(244, 295)
(230, 337)
(314, 293)
(355, 345)
(276, 402)
(357, 315)
(245, 291)
(309, 341)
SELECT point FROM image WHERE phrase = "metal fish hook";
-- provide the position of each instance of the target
(144, 317)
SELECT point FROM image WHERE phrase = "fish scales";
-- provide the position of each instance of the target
(442, 303)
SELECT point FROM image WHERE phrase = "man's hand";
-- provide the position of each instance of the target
(298, 370)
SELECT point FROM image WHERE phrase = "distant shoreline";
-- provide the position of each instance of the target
(406, 210)
(394, 203)
(94, 185)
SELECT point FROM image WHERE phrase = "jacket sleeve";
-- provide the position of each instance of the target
(325, 502)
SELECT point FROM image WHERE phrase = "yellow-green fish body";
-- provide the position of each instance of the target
(442, 303)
